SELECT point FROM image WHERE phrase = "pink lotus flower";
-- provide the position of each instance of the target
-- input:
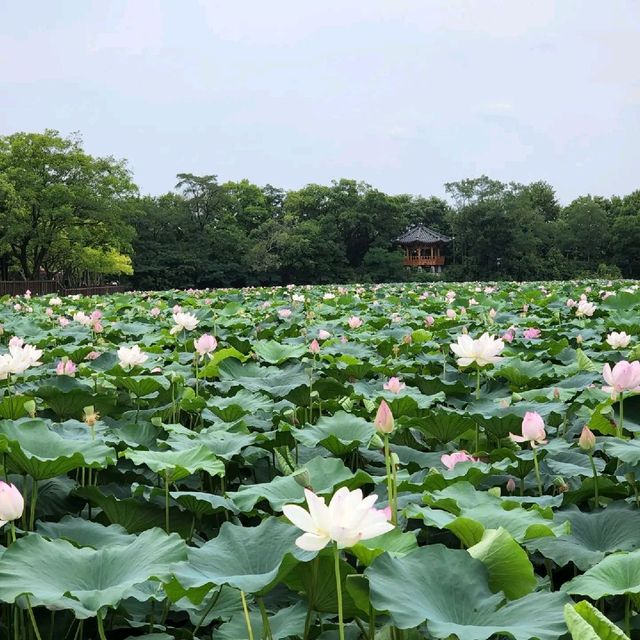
(532, 430)
(155, 312)
(625, 376)
(384, 421)
(451, 314)
(323, 335)
(66, 368)
(205, 345)
(314, 347)
(429, 320)
(11, 503)
(355, 322)
(507, 336)
(394, 385)
(92, 355)
(346, 520)
(451, 460)
(284, 313)
(532, 333)
(48, 311)
(62, 321)
(511, 485)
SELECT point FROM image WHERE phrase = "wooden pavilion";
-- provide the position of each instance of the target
(423, 247)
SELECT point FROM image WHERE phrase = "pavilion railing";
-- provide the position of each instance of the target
(44, 287)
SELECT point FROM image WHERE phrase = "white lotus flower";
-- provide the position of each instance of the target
(131, 356)
(482, 351)
(347, 519)
(585, 308)
(184, 322)
(618, 340)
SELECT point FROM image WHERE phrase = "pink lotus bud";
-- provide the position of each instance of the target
(384, 422)
(492, 313)
(95, 315)
(511, 485)
(66, 368)
(531, 333)
(48, 311)
(323, 335)
(176, 308)
(451, 314)
(532, 430)
(97, 327)
(354, 322)
(314, 347)
(11, 503)
(344, 339)
(587, 440)
(429, 320)
(507, 336)
(579, 339)
(155, 312)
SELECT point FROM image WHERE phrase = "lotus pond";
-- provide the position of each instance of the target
(321, 463)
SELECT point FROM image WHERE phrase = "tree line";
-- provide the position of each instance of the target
(67, 215)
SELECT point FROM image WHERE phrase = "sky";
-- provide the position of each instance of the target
(403, 94)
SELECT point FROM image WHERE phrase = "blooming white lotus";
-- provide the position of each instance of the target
(618, 340)
(183, 322)
(585, 308)
(483, 351)
(131, 356)
(346, 520)
(21, 356)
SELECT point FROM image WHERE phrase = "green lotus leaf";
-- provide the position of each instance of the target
(276, 381)
(286, 623)
(275, 353)
(594, 534)
(248, 558)
(60, 575)
(326, 475)
(178, 464)
(509, 567)
(143, 386)
(85, 533)
(617, 574)
(449, 590)
(585, 622)
(339, 433)
(37, 450)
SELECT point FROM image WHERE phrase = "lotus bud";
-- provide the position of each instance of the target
(30, 408)
(579, 339)
(407, 339)
(587, 440)
(556, 393)
(302, 477)
(314, 347)
(511, 485)
(560, 484)
(11, 502)
(384, 422)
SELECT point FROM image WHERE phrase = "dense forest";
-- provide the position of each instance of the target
(67, 215)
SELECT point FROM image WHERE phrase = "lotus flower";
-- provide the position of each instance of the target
(346, 520)
(394, 385)
(284, 313)
(587, 440)
(451, 460)
(384, 421)
(183, 322)
(355, 322)
(531, 333)
(482, 351)
(625, 376)
(323, 334)
(131, 356)
(532, 430)
(314, 347)
(66, 368)
(618, 340)
(585, 308)
(11, 503)
(205, 345)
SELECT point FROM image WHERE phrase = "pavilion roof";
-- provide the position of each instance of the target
(420, 233)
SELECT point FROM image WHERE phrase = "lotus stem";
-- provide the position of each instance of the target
(196, 364)
(390, 489)
(34, 624)
(208, 610)
(537, 469)
(34, 499)
(477, 383)
(101, 627)
(166, 501)
(247, 620)
(266, 626)
(595, 478)
(627, 614)
(336, 556)
(621, 421)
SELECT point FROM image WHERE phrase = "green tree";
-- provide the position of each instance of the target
(56, 199)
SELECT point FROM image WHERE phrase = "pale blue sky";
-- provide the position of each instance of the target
(405, 94)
